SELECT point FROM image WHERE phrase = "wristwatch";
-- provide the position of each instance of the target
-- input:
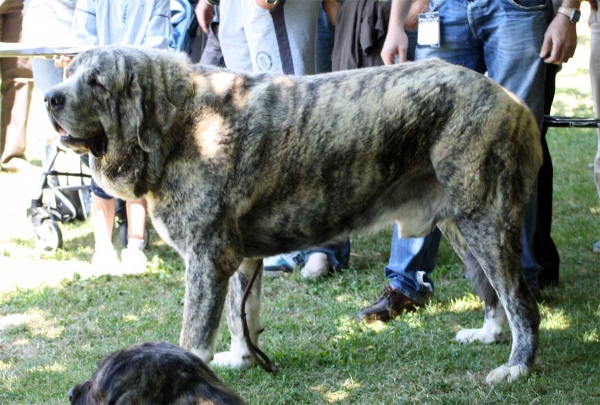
(573, 13)
(272, 2)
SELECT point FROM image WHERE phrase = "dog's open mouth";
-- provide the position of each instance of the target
(96, 144)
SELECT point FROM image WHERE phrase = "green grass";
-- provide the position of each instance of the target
(52, 335)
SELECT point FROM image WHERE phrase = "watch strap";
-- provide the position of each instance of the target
(572, 13)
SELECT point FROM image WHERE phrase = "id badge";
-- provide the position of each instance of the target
(428, 33)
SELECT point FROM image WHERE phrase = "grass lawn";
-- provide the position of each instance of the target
(58, 318)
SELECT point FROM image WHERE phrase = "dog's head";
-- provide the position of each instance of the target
(118, 104)
(153, 373)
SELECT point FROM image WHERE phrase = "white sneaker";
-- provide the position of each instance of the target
(105, 259)
(277, 266)
(133, 261)
(316, 266)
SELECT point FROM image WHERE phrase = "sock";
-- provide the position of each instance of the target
(137, 244)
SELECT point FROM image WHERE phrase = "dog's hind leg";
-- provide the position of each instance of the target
(496, 245)
(495, 317)
(238, 355)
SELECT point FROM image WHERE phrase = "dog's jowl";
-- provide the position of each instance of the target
(237, 167)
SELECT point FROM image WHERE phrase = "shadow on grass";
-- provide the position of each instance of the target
(322, 354)
(68, 328)
(573, 102)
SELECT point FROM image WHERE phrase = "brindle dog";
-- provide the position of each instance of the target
(236, 167)
(153, 373)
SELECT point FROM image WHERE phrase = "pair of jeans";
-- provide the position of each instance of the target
(325, 36)
(338, 254)
(502, 38)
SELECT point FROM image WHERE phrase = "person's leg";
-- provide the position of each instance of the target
(544, 249)
(234, 44)
(595, 80)
(103, 218)
(16, 94)
(513, 39)
(136, 219)
(320, 261)
(213, 54)
(459, 45)
(283, 40)
(325, 37)
(412, 260)
(133, 258)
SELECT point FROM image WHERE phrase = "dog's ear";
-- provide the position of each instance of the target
(152, 114)
(156, 89)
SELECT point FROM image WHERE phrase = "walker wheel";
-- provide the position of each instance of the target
(47, 236)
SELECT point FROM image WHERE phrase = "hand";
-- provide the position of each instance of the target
(593, 5)
(560, 40)
(63, 61)
(331, 8)
(204, 13)
(396, 43)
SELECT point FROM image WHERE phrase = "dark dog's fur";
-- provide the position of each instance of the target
(153, 373)
(237, 167)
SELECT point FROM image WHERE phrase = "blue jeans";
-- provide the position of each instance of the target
(338, 254)
(503, 39)
(325, 35)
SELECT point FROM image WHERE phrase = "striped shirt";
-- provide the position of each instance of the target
(123, 22)
(48, 23)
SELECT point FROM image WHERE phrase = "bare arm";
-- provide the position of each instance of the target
(412, 20)
(396, 41)
(560, 39)
(204, 13)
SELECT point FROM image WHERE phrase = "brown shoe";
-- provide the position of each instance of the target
(390, 304)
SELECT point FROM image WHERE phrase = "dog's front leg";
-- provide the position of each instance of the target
(238, 355)
(205, 291)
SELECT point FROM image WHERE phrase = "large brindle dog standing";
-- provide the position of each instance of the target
(237, 167)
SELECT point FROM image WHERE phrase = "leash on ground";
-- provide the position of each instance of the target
(255, 352)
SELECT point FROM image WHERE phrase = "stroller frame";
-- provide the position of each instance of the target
(44, 216)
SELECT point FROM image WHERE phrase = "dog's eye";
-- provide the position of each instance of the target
(94, 81)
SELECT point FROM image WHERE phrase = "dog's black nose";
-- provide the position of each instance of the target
(54, 100)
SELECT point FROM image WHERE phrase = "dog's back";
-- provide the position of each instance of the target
(153, 373)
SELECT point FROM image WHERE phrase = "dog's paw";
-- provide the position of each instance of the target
(507, 373)
(232, 360)
(482, 335)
